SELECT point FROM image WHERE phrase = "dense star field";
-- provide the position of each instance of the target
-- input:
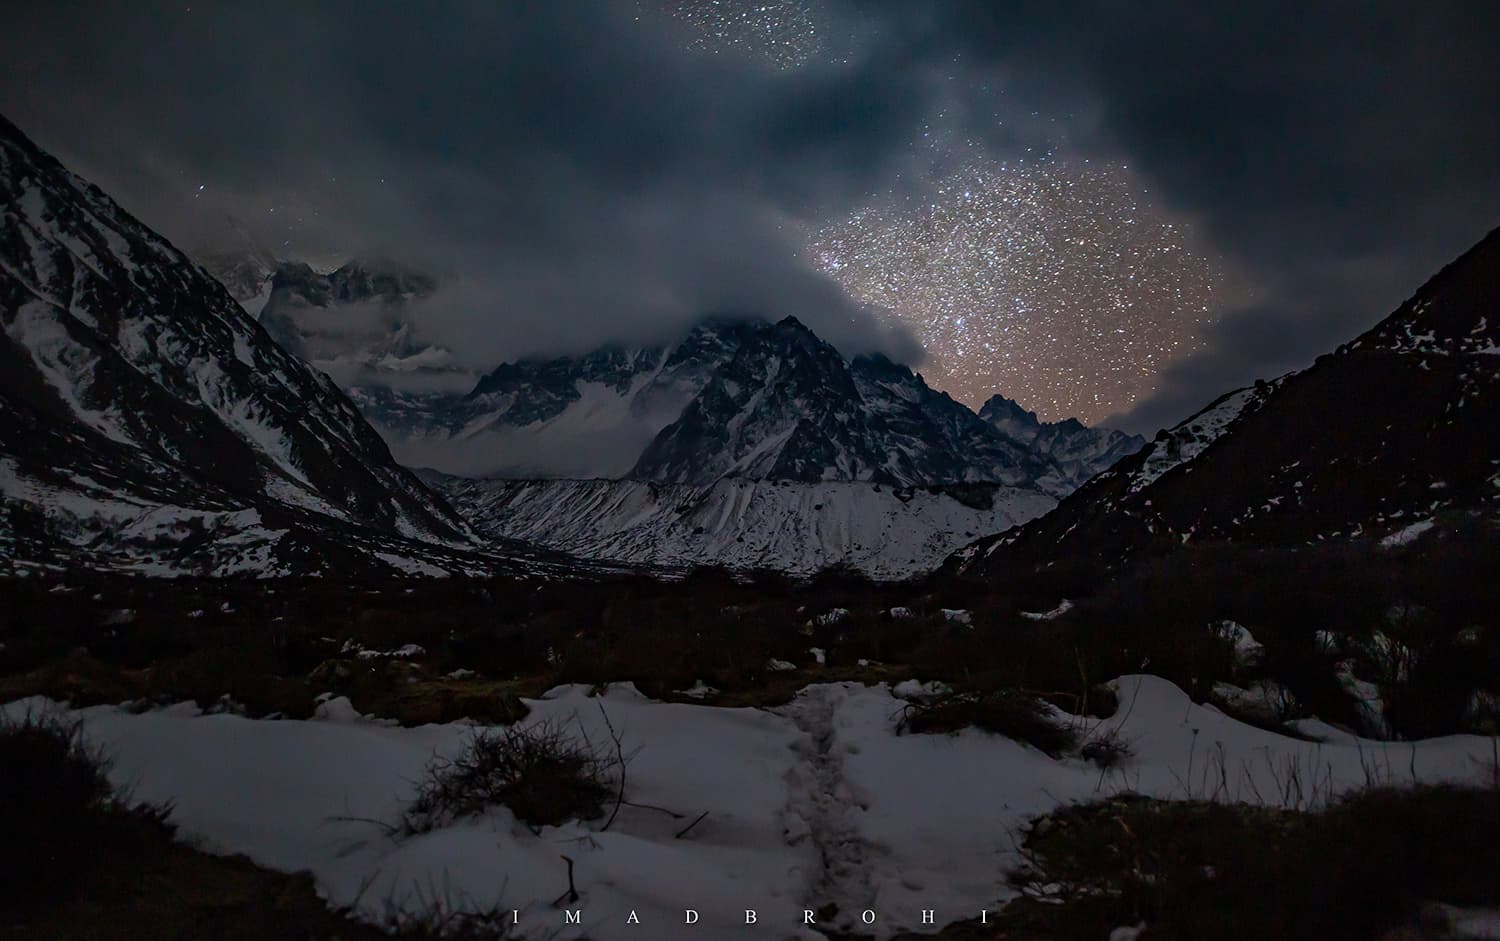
(785, 33)
(1055, 281)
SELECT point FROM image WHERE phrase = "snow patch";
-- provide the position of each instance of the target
(1063, 607)
(958, 616)
(1407, 534)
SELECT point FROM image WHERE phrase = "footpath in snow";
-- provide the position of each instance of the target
(817, 805)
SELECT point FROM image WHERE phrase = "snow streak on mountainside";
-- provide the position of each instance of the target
(1394, 428)
(884, 532)
(148, 420)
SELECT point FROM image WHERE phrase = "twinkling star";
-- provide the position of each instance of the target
(1049, 282)
(786, 33)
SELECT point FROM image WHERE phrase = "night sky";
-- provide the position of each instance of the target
(1107, 210)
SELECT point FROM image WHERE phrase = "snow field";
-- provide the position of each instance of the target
(808, 804)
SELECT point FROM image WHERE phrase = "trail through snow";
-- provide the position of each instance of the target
(818, 804)
(820, 808)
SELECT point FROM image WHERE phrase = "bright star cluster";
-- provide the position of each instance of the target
(1049, 282)
(785, 33)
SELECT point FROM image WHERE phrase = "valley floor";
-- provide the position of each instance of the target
(790, 746)
(818, 804)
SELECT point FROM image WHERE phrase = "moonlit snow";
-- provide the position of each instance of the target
(812, 803)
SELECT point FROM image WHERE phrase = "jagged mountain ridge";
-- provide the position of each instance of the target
(576, 416)
(736, 397)
(1374, 440)
(1080, 451)
(788, 406)
(352, 322)
(246, 275)
(237, 260)
(149, 421)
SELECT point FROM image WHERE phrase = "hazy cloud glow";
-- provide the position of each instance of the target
(582, 171)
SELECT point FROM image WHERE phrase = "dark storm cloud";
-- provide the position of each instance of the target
(573, 174)
(1336, 153)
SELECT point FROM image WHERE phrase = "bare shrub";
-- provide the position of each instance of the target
(1005, 712)
(436, 911)
(1368, 863)
(546, 773)
(1107, 749)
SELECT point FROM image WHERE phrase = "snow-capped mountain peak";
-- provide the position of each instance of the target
(735, 396)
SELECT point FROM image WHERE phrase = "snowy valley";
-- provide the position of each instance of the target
(539, 571)
(744, 444)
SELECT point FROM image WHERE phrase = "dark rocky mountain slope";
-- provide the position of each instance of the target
(148, 421)
(1381, 439)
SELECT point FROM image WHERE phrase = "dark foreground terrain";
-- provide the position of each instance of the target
(1417, 621)
(1374, 865)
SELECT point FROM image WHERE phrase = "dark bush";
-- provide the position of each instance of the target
(1190, 870)
(57, 809)
(545, 773)
(1106, 749)
(1006, 712)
